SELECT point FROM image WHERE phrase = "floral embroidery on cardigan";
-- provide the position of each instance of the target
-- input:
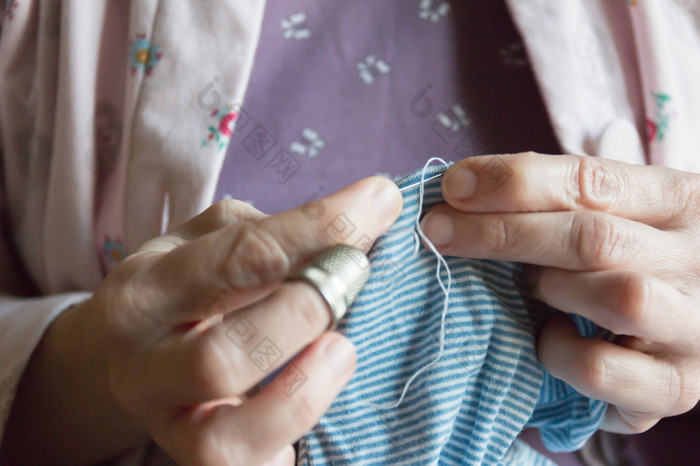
(9, 6)
(113, 250)
(220, 132)
(144, 55)
(657, 126)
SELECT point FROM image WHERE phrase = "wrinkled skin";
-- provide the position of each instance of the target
(612, 242)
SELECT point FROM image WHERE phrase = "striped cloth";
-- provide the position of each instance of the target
(488, 385)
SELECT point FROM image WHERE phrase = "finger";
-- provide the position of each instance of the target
(220, 215)
(229, 359)
(249, 259)
(583, 240)
(285, 457)
(532, 182)
(642, 345)
(281, 413)
(625, 422)
(624, 302)
(631, 380)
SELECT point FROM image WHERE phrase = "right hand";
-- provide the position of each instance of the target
(176, 363)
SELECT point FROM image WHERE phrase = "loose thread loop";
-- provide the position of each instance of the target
(441, 263)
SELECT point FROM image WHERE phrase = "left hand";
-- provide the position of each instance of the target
(618, 244)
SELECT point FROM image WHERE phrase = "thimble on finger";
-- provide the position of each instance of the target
(338, 273)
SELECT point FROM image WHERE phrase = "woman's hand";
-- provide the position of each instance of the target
(193, 320)
(618, 244)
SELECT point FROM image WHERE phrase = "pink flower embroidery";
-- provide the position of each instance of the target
(221, 132)
(226, 124)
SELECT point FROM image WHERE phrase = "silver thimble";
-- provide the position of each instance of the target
(338, 273)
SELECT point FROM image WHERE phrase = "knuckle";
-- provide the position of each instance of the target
(592, 372)
(597, 185)
(211, 367)
(501, 235)
(521, 159)
(633, 302)
(125, 288)
(520, 165)
(686, 191)
(674, 390)
(517, 166)
(312, 311)
(301, 411)
(204, 453)
(207, 448)
(232, 211)
(600, 242)
(223, 212)
(641, 425)
(255, 258)
(682, 389)
(123, 279)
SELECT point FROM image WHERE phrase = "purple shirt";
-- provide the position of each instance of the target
(344, 90)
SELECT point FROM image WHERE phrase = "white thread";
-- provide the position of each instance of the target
(418, 235)
(424, 181)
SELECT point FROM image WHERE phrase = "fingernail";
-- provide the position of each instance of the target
(439, 228)
(460, 183)
(387, 200)
(339, 353)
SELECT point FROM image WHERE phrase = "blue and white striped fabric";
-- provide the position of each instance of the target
(488, 385)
